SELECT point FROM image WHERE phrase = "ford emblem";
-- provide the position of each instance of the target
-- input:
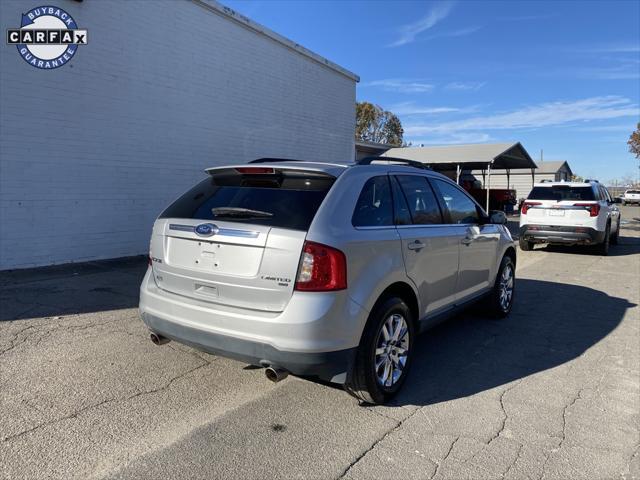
(206, 229)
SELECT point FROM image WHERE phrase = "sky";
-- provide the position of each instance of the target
(559, 77)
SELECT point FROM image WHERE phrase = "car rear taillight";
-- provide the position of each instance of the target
(527, 205)
(322, 269)
(594, 208)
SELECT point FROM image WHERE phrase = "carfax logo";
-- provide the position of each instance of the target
(48, 37)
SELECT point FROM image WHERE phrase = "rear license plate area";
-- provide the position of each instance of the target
(556, 212)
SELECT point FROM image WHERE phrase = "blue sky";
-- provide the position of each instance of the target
(563, 77)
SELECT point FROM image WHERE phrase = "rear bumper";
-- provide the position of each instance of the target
(317, 333)
(631, 200)
(561, 234)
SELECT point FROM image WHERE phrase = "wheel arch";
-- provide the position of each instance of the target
(511, 253)
(404, 291)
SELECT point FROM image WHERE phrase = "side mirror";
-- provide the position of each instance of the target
(617, 200)
(498, 217)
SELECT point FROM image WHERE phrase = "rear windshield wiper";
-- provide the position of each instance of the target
(239, 212)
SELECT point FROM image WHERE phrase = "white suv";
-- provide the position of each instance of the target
(569, 213)
(631, 196)
(322, 269)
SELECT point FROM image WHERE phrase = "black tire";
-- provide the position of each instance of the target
(616, 236)
(362, 382)
(603, 248)
(525, 245)
(496, 306)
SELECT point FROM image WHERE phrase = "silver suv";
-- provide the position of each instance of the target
(321, 269)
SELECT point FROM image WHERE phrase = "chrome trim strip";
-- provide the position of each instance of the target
(228, 232)
(182, 228)
(231, 232)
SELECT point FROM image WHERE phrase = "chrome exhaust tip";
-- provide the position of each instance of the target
(276, 374)
(158, 339)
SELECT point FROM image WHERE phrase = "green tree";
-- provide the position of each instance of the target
(373, 124)
(634, 142)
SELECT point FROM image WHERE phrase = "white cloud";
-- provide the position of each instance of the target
(408, 33)
(536, 116)
(608, 128)
(453, 139)
(465, 85)
(455, 33)
(400, 85)
(410, 108)
(629, 71)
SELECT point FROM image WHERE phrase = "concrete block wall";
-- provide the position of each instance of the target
(90, 153)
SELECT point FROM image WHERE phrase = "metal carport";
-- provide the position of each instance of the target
(486, 156)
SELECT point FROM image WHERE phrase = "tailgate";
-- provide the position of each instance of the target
(248, 266)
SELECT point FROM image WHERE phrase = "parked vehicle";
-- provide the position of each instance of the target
(631, 197)
(579, 213)
(322, 269)
(499, 198)
(502, 199)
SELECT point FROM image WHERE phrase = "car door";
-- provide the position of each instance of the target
(429, 247)
(613, 210)
(477, 241)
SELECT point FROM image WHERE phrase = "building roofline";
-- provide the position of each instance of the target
(229, 13)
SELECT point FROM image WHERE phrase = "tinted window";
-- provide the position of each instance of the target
(421, 200)
(461, 208)
(562, 192)
(374, 208)
(632, 191)
(277, 201)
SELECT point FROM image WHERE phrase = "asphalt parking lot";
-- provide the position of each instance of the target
(551, 392)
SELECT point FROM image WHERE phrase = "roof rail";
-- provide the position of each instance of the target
(411, 163)
(274, 160)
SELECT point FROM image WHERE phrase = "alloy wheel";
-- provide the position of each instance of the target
(506, 287)
(392, 350)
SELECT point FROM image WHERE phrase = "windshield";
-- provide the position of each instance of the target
(561, 192)
(278, 202)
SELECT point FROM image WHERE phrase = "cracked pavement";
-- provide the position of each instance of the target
(552, 392)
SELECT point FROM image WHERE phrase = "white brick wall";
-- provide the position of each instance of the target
(90, 153)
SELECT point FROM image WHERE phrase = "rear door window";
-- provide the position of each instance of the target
(285, 200)
(562, 192)
(420, 199)
(374, 207)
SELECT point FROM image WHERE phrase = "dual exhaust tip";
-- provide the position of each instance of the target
(275, 374)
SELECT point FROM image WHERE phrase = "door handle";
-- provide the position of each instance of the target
(416, 245)
(467, 240)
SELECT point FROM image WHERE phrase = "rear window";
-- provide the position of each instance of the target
(562, 192)
(280, 200)
(374, 207)
(632, 191)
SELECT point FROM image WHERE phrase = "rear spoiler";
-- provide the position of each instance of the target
(266, 169)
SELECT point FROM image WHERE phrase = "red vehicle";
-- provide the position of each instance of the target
(499, 198)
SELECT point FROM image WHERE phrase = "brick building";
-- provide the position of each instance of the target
(92, 151)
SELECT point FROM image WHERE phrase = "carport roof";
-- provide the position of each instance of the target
(469, 157)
